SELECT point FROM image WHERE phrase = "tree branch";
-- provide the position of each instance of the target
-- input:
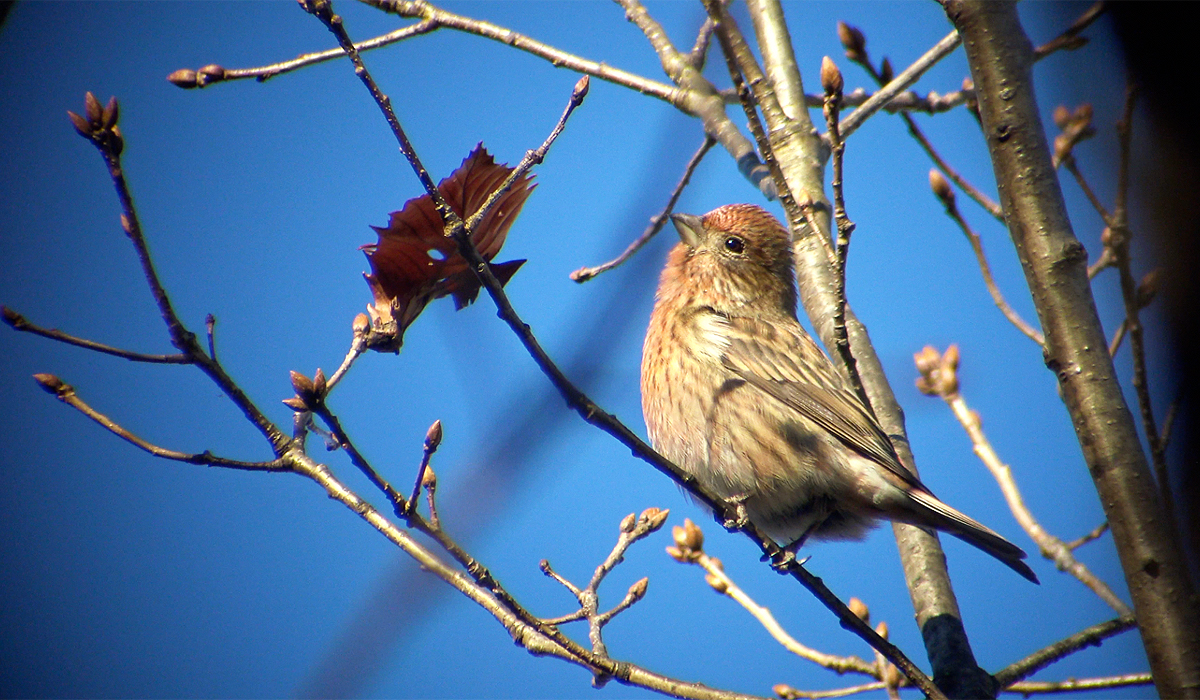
(1000, 58)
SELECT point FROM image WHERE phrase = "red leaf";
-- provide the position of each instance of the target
(414, 262)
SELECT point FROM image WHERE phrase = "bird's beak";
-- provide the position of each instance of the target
(689, 228)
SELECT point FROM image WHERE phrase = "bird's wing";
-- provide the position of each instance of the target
(781, 360)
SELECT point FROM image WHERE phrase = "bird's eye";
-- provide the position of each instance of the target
(735, 245)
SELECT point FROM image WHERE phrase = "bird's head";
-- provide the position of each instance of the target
(734, 256)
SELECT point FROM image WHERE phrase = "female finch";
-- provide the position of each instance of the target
(740, 397)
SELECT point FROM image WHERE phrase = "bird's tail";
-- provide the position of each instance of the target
(931, 512)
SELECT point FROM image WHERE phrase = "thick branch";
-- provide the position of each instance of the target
(1000, 58)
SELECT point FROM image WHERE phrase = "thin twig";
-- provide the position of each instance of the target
(20, 323)
(939, 377)
(1037, 687)
(861, 57)
(206, 76)
(1069, 163)
(1070, 40)
(633, 528)
(584, 274)
(946, 195)
(433, 438)
(789, 693)
(66, 393)
(1091, 636)
(831, 79)
(688, 549)
(1129, 292)
(1093, 535)
(105, 135)
(1169, 421)
(1118, 337)
(210, 324)
(357, 347)
(699, 97)
(900, 83)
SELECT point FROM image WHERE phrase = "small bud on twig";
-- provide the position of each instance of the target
(429, 480)
(581, 89)
(303, 387)
(717, 583)
(689, 536)
(860, 609)
(93, 110)
(184, 78)
(831, 78)
(1148, 287)
(939, 372)
(433, 436)
(654, 518)
(296, 404)
(886, 72)
(638, 590)
(941, 188)
(853, 41)
(11, 317)
(212, 73)
(882, 630)
(361, 324)
(628, 523)
(1062, 116)
(81, 125)
(319, 382)
(111, 113)
(52, 384)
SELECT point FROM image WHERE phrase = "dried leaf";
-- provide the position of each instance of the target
(414, 262)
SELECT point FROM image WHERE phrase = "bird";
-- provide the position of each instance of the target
(737, 394)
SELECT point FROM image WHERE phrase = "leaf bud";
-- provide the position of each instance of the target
(301, 384)
(831, 78)
(1148, 287)
(854, 42)
(184, 78)
(628, 523)
(860, 609)
(581, 89)
(12, 318)
(886, 72)
(718, 584)
(81, 125)
(52, 384)
(93, 110)
(112, 112)
(296, 404)
(654, 518)
(941, 188)
(1062, 116)
(433, 436)
(211, 73)
(638, 590)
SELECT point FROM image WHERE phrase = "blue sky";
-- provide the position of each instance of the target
(126, 576)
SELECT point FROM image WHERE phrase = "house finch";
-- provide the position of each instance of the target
(740, 397)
